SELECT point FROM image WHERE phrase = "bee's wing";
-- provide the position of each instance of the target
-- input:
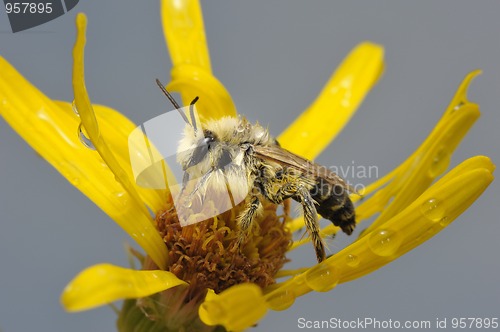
(277, 154)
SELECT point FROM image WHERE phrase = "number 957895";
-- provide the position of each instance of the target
(28, 8)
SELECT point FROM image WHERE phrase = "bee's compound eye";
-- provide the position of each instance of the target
(208, 140)
(209, 137)
(279, 175)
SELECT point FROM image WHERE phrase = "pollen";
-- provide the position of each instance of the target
(206, 254)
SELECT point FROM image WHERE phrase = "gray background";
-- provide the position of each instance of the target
(273, 58)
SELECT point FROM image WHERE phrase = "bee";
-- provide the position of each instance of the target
(233, 152)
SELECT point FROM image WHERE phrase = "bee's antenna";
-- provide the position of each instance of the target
(172, 100)
(191, 112)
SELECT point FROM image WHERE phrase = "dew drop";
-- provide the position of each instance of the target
(121, 197)
(4, 106)
(346, 102)
(445, 221)
(281, 300)
(458, 106)
(440, 162)
(187, 203)
(84, 139)
(73, 106)
(384, 242)
(298, 280)
(352, 260)
(73, 173)
(322, 277)
(433, 210)
(431, 231)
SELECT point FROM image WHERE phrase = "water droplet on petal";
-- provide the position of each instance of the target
(298, 280)
(187, 203)
(384, 242)
(4, 105)
(72, 172)
(440, 162)
(431, 231)
(433, 210)
(84, 139)
(352, 260)
(73, 106)
(458, 106)
(281, 300)
(445, 221)
(322, 277)
(103, 164)
(121, 197)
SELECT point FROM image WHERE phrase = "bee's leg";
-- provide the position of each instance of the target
(185, 179)
(246, 217)
(201, 183)
(311, 220)
(277, 192)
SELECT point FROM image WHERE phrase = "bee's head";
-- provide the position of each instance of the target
(213, 145)
(195, 147)
(216, 145)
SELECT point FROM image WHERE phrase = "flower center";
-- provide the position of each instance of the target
(206, 254)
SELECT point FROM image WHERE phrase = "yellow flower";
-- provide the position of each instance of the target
(411, 207)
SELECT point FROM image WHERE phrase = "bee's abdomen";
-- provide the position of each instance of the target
(335, 205)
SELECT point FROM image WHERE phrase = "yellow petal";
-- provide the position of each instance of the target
(477, 162)
(416, 173)
(435, 209)
(191, 73)
(459, 99)
(237, 308)
(312, 131)
(185, 33)
(104, 283)
(87, 114)
(428, 215)
(153, 245)
(430, 160)
(51, 129)
(52, 132)
(117, 128)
